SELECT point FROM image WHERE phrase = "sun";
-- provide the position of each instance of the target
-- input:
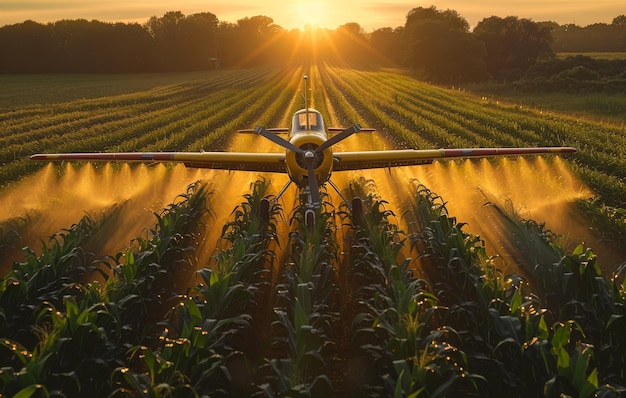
(312, 13)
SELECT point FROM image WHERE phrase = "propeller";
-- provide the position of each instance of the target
(310, 156)
(338, 137)
(326, 144)
(278, 140)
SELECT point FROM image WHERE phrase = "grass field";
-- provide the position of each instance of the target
(460, 278)
(599, 107)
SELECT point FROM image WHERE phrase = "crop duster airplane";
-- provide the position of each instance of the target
(308, 159)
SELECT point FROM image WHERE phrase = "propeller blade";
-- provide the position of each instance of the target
(278, 140)
(313, 186)
(338, 137)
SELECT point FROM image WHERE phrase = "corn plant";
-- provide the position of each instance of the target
(608, 221)
(396, 328)
(141, 281)
(74, 356)
(43, 354)
(572, 374)
(304, 313)
(84, 331)
(518, 345)
(43, 279)
(10, 237)
(205, 348)
(475, 294)
(577, 292)
(451, 257)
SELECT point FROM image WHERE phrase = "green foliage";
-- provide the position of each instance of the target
(464, 329)
(513, 44)
(517, 351)
(576, 74)
(198, 352)
(609, 222)
(305, 311)
(44, 279)
(81, 332)
(439, 44)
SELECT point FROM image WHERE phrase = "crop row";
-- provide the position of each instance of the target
(66, 332)
(36, 117)
(195, 115)
(424, 116)
(361, 320)
(121, 124)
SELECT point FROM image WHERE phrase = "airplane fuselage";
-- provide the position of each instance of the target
(308, 133)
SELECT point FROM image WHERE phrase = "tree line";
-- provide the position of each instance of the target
(437, 44)
(173, 42)
(598, 37)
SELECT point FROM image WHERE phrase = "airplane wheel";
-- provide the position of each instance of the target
(264, 210)
(357, 211)
(309, 216)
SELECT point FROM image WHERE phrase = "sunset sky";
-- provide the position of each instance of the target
(370, 14)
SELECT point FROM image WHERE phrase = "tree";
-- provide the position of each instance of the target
(350, 43)
(252, 40)
(184, 42)
(513, 44)
(74, 46)
(352, 29)
(27, 47)
(620, 20)
(598, 37)
(388, 42)
(438, 44)
(94, 46)
(168, 36)
(130, 48)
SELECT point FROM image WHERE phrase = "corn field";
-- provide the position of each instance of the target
(156, 281)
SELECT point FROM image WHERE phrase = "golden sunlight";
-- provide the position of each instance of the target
(312, 13)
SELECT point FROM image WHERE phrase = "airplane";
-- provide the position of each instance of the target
(308, 159)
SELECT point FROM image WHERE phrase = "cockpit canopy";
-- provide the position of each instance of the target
(315, 121)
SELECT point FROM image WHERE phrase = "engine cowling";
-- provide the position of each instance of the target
(323, 161)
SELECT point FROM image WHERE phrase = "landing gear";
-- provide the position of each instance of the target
(357, 211)
(310, 208)
(309, 218)
(355, 205)
(264, 210)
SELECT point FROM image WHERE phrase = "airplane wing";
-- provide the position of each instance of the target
(244, 161)
(277, 130)
(340, 129)
(409, 157)
(275, 162)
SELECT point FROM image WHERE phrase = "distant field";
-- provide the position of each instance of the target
(21, 90)
(619, 55)
(600, 107)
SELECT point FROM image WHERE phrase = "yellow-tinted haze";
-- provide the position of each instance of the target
(290, 14)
